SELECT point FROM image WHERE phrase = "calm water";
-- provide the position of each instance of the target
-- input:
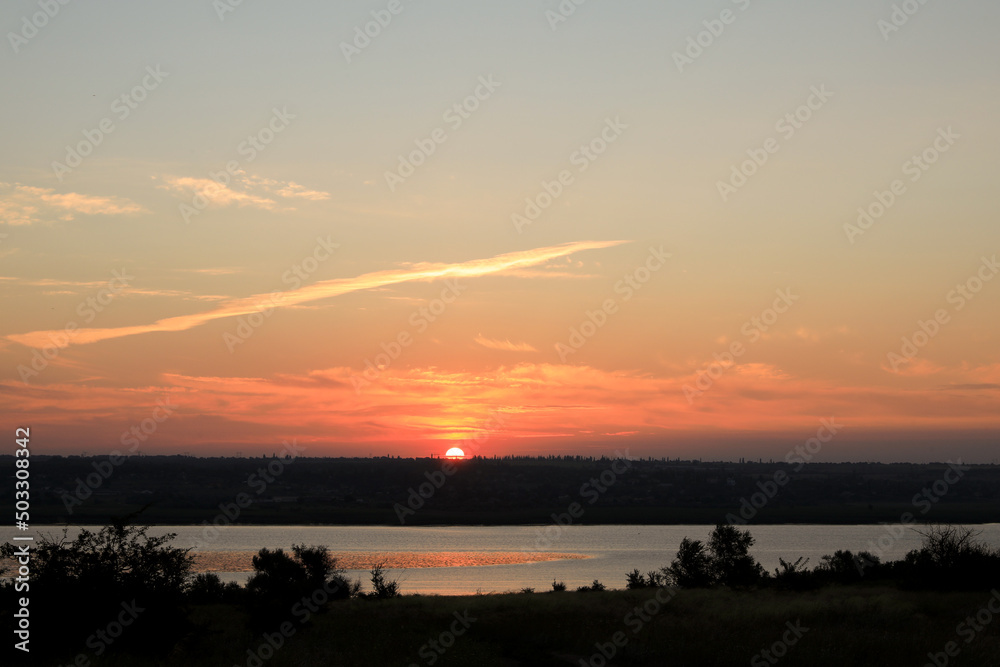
(610, 551)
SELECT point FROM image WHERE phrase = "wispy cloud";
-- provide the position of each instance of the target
(329, 288)
(26, 205)
(242, 190)
(505, 345)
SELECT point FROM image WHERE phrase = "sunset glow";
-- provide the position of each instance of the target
(556, 250)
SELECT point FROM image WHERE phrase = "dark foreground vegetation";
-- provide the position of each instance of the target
(123, 597)
(502, 491)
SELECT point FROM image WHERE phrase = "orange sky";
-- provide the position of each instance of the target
(560, 248)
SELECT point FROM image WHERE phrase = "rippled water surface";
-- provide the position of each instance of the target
(467, 559)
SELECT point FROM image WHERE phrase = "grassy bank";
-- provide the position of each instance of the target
(854, 625)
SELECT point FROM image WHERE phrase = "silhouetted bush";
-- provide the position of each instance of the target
(280, 581)
(117, 577)
(950, 558)
(558, 586)
(794, 575)
(596, 586)
(730, 562)
(692, 566)
(652, 579)
(382, 588)
(207, 588)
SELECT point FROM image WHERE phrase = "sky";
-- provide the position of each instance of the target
(703, 230)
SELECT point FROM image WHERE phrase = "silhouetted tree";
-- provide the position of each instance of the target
(692, 566)
(731, 563)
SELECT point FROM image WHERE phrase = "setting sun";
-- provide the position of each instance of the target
(455, 453)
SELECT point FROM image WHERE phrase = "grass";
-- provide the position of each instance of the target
(856, 625)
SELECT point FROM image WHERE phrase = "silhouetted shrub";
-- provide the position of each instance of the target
(730, 562)
(558, 586)
(651, 579)
(950, 558)
(120, 576)
(382, 588)
(692, 566)
(207, 588)
(280, 581)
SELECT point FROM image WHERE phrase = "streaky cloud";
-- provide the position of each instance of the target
(322, 290)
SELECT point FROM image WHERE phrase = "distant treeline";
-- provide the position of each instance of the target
(501, 491)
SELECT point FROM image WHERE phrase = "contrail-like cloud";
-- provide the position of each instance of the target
(321, 290)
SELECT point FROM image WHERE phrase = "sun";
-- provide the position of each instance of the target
(455, 453)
